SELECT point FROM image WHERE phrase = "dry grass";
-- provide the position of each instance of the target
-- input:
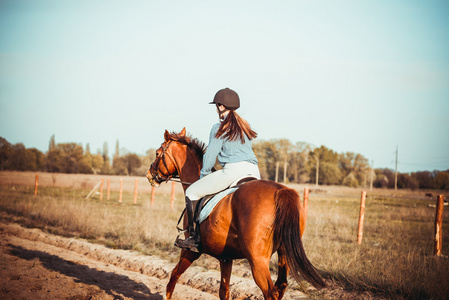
(396, 254)
(395, 259)
(118, 225)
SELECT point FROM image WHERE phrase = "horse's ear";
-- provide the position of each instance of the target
(183, 132)
(166, 135)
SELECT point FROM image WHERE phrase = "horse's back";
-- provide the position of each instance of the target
(247, 213)
(254, 212)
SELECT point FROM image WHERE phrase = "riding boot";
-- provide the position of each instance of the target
(190, 242)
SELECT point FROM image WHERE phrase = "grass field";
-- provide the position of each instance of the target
(395, 259)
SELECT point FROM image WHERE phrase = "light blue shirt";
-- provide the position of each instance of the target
(226, 151)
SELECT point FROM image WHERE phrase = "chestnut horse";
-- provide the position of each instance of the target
(258, 219)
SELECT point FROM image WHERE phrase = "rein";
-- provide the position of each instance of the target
(177, 179)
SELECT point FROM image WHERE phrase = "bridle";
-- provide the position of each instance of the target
(160, 176)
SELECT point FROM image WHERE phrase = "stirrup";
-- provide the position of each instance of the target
(193, 248)
(180, 232)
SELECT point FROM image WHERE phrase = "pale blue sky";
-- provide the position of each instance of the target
(357, 76)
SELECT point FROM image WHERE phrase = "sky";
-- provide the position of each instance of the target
(367, 77)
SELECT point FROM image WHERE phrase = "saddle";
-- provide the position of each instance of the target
(202, 203)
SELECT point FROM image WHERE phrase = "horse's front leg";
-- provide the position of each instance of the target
(186, 259)
(226, 269)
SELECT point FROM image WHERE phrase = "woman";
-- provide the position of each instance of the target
(230, 141)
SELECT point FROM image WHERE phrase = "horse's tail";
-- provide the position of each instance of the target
(287, 229)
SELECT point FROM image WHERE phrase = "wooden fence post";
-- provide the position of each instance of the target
(135, 191)
(439, 225)
(36, 183)
(152, 196)
(101, 189)
(121, 190)
(172, 199)
(361, 217)
(108, 194)
(306, 200)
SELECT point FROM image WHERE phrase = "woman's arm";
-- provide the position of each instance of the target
(213, 149)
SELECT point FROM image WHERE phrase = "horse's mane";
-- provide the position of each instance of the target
(198, 146)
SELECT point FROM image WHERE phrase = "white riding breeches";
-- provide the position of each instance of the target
(221, 179)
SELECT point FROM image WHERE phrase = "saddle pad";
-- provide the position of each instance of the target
(209, 207)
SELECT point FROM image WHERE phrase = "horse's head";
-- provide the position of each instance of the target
(164, 167)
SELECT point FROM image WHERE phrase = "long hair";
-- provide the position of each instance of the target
(235, 127)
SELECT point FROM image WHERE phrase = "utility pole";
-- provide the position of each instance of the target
(277, 171)
(372, 175)
(285, 171)
(317, 168)
(396, 172)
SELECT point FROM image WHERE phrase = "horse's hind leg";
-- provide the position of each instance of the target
(186, 259)
(261, 273)
(281, 282)
(226, 269)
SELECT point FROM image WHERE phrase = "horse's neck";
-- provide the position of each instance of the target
(189, 168)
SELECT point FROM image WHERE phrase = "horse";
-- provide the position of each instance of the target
(260, 218)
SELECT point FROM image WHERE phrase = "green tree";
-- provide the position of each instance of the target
(93, 161)
(52, 143)
(425, 179)
(350, 180)
(117, 150)
(106, 168)
(405, 181)
(354, 169)
(120, 166)
(442, 180)
(384, 178)
(285, 148)
(97, 163)
(55, 160)
(299, 168)
(5, 153)
(328, 169)
(133, 163)
(259, 148)
(35, 160)
(67, 158)
(146, 161)
(17, 157)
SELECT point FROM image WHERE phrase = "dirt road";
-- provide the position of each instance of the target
(37, 265)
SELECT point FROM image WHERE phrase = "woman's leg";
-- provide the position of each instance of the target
(221, 179)
(211, 184)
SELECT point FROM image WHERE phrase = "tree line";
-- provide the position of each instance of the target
(71, 158)
(279, 160)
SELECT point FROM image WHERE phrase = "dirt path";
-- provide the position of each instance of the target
(36, 265)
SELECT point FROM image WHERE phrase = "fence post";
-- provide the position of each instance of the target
(439, 225)
(36, 183)
(152, 196)
(101, 189)
(121, 190)
(361, 217)
(135, 191)
(172, 200)
(108, 189)
(306, 200)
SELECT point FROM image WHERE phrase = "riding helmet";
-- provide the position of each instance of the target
(227, 97)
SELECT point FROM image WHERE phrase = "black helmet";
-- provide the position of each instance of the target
(227, 97)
